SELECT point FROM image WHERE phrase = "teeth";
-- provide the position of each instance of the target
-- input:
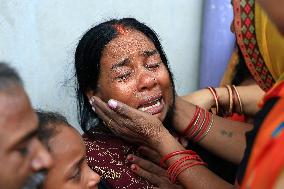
(143, 109)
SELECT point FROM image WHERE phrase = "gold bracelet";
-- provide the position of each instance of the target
(209, 128)
(215, 96)
(239, 99)
(231, 103)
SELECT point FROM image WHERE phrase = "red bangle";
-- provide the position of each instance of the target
(176, 164)
(191, 121)
(168, 156)
(184, 167)
(196, 125)
(215, 96)
(202, 131)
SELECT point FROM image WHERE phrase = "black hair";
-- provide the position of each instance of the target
(87, 63)
(241, 71)
(49, 122)
(8, 76)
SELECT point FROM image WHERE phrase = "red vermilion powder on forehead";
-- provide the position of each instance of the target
(120, 29)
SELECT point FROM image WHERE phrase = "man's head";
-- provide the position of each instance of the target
(22, 156)
(65, 144)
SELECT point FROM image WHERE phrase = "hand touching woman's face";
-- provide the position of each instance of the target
(132, 72)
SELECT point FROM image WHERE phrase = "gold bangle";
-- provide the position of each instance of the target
(215, 96)
(209, 128)
(200, 126)
(231, 103)
(239, 99)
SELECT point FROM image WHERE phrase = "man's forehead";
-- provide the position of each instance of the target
(12, 104)
(16, 122)
(15, 110)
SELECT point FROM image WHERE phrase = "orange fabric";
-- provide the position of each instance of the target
(267, 158)
(276, 91)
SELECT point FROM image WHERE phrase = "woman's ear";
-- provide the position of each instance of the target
(91, 93)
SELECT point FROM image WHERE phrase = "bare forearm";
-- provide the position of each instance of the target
(226, 137)
(197, 177)
(250, 96)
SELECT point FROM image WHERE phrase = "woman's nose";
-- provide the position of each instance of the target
(146, 81)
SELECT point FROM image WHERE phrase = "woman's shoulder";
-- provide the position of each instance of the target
(106, 154)
(103, 139)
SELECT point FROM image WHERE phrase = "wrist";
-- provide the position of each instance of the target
(168, 144)
(223, 99)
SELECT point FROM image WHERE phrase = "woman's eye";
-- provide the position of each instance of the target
(123, 77)
(153, 66)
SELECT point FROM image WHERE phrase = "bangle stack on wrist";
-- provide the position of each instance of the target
(188, 159)
(200, 125)
(234, 104)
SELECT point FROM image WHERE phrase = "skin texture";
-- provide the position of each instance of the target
(162, 142)
(123, 117)
(70, 169)
(204, 98)
(149, 170)
(21, 153)
(133, 73)
(274, 9)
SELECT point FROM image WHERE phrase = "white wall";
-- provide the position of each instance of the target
(38, 37)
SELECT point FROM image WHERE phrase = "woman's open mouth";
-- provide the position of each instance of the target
(152, 106)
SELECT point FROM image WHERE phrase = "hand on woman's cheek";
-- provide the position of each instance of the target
(130, 123)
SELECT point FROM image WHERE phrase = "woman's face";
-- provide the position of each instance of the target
(132, 72)
(70, 168)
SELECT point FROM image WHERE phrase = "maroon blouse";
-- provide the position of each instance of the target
(106, 155)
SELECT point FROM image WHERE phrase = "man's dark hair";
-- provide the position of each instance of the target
(49, 122)
(8, 76)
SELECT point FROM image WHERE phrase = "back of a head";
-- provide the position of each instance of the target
(49, 125)
(8, 77)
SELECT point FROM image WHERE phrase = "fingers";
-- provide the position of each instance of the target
(154, 179)
(110, 117)
(119, 107)
(150, 154)
(147, 165)
(125, 110)
(98, 103)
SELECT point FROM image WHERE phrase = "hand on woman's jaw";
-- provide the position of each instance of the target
(129, 123)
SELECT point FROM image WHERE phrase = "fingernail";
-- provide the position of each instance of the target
(130, 158)
(94, 109)
(91, 100)
(112, 103)
(134, 167)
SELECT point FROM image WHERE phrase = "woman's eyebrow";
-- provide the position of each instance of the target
(150, 52)
(120, 64)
